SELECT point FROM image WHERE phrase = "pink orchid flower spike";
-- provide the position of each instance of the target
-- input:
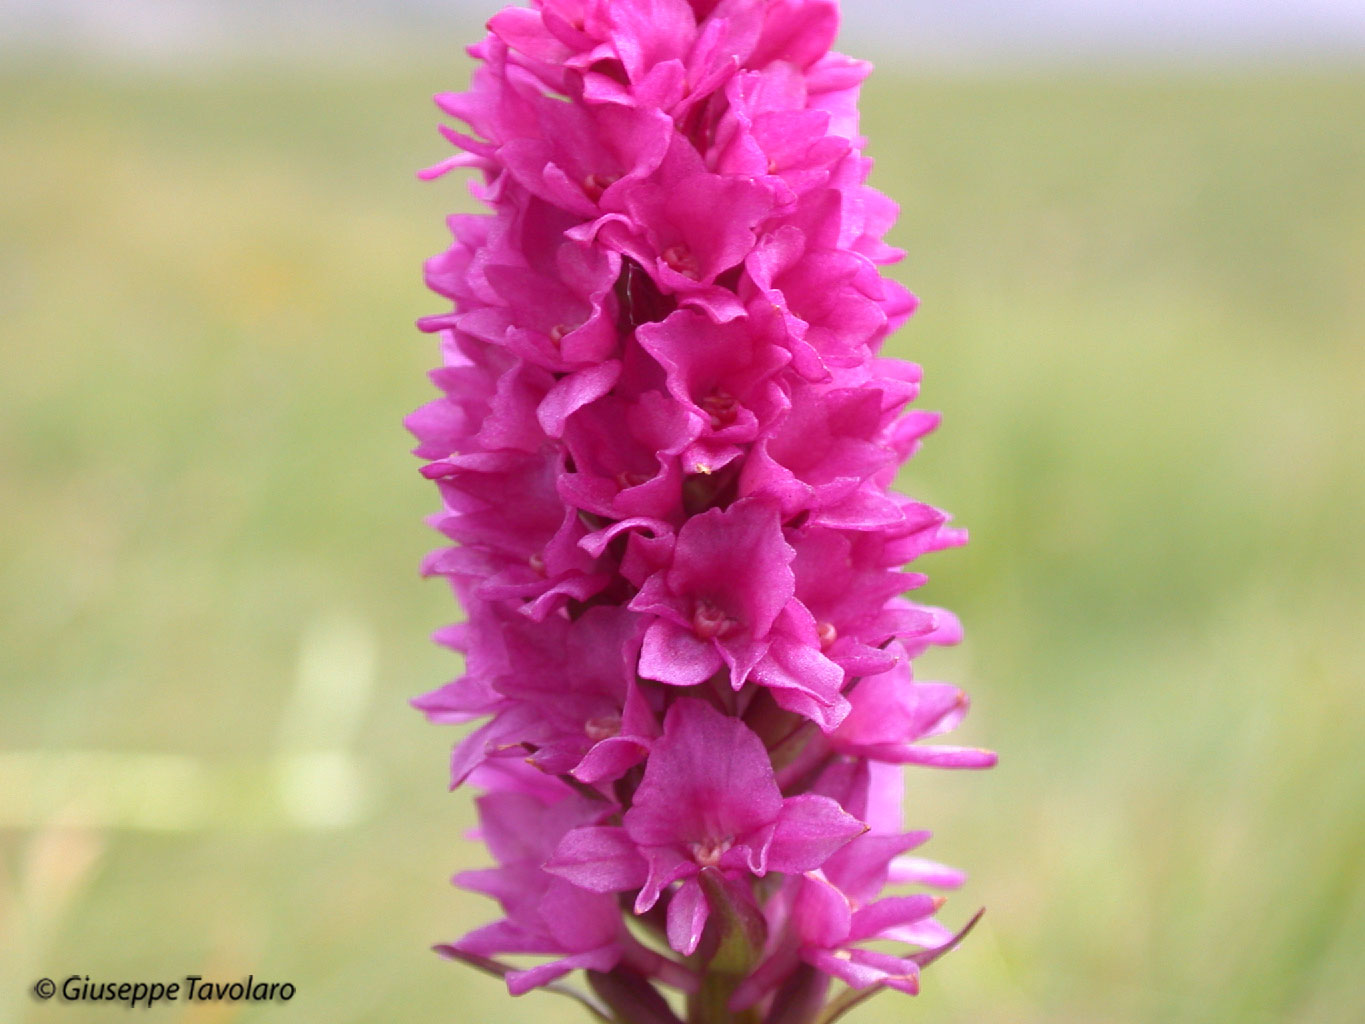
(664, 444)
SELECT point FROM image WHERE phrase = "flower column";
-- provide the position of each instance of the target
(664, 448)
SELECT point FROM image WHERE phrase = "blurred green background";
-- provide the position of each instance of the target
(1144, 308)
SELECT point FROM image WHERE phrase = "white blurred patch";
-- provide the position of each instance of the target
(158, 792)
(336, 671)
(313, 781)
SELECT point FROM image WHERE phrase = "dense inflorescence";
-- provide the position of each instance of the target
(665, 446)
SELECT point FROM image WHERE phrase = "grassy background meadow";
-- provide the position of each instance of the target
(1144, 320)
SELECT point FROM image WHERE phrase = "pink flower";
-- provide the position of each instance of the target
(708, 800)
(890, 711)
(664, 446)
(544, 915)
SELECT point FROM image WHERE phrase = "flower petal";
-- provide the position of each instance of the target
(687, 914)
(599, 859)
(809, 829)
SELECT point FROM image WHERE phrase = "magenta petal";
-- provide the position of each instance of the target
(667, 865)
(474, 749)
(899, 972)
(821, 913)
(609, 759)
(596, 543)
(798, 31)
(937, 757)
(523, 30)
(687, 914)
(921, 871)
(867, 863)
(578, 919)
(676, 656)
(503, 937)
(599, 859)
(713, 544)
(926, 933)
(805, 681)
(856, 975)
(872, 920)
(574, 392)
(601, 959)
(809, 829)
(637, 717)
(708, 778)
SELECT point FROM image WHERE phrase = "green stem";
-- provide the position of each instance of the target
(711, 1004)
(730, 948)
